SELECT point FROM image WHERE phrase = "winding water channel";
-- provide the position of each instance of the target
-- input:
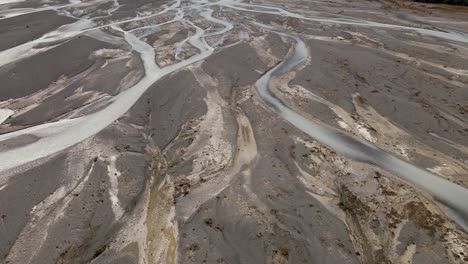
(57, 136)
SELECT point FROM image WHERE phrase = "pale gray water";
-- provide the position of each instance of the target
(58, 137)
(452, 195)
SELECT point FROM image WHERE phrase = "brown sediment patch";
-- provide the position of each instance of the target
(417, 212)
(245, 134)
(68, 255)
(351, 203)
(246, 152)
(281, 255)
(213, 153)
(161, 235)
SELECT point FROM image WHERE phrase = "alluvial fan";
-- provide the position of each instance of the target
(231, 131)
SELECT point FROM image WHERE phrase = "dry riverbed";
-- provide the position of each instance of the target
(233, 132)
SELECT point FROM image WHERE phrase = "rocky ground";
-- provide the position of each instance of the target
(197, 131)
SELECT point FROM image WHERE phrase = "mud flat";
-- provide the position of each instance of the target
(233, 132)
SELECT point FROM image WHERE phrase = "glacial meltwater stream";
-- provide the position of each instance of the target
(62, 134)
(450, 194)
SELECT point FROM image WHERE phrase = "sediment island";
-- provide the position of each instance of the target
(233, 131)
